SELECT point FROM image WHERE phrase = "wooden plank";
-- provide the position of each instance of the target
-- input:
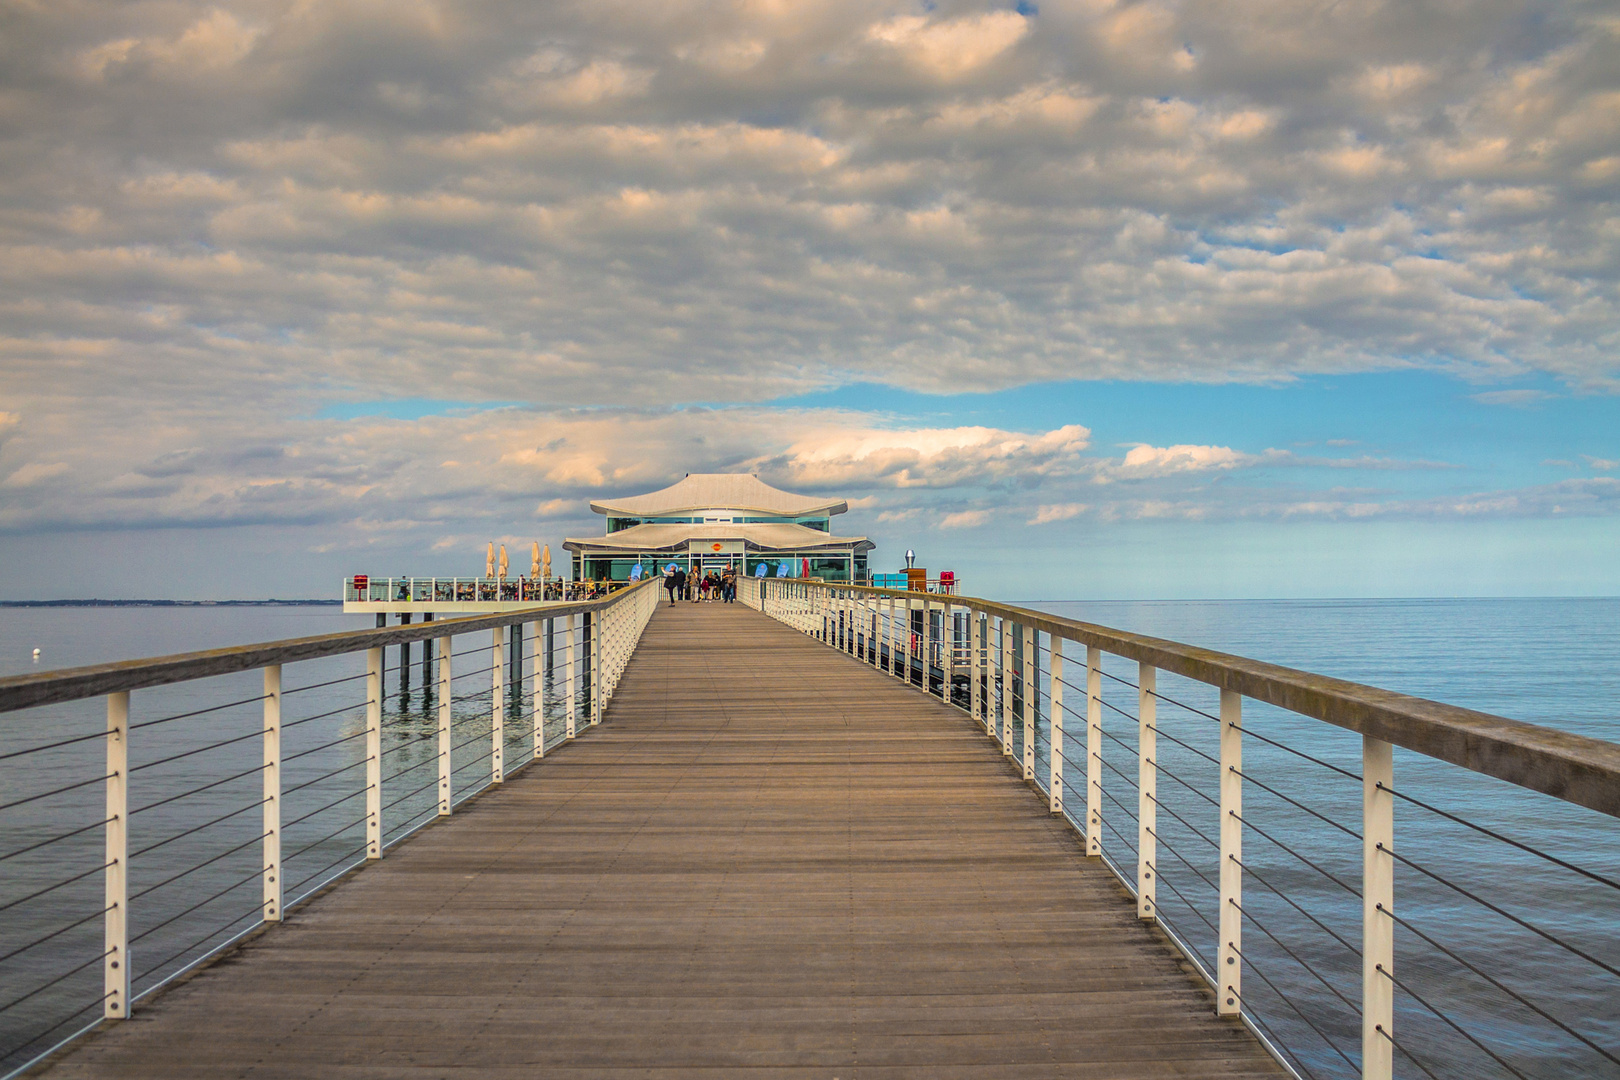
(769, 860)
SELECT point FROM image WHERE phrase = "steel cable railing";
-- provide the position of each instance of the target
(19, 901)
(251, 913)
(1287, 999)
(196, 712)
(197, 828)
(1534, 929)
(187, 864)
(52, 746)
(1010, 674)
(55, 839)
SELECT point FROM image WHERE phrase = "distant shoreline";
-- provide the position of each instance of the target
(170, 603)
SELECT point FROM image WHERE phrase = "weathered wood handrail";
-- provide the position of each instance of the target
(1004, 689)
(94, 680)
(1575, 768)
(519, 694)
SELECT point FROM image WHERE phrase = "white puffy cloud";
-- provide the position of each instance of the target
(219, 218)
(598, 204)
(966, 519)
(1050, 512)
(1145, 460)
(930, 457)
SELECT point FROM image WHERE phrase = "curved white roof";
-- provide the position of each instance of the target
(719, 491)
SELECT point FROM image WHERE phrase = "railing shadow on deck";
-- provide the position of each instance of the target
(1497, 958)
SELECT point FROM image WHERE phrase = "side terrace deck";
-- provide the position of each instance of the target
(770, 859)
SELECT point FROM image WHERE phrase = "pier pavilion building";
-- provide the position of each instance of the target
(709, 521)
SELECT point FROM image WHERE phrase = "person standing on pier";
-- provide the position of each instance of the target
(674, 581)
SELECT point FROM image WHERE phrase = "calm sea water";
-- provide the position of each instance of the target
(1554, 662)
(1551, 662)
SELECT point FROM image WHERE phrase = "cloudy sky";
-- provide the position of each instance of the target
(1081, 298)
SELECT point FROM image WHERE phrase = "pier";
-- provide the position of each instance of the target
(828, 831)
(769, 860)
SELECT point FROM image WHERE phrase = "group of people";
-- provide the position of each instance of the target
(700, 588)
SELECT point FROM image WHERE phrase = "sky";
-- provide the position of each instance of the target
(1080, 299)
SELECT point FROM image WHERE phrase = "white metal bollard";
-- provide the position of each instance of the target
(1147, 774)
(1229, 954)
(115, 924)
(1377, 909)
(272, 794)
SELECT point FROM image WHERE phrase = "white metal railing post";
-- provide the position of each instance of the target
(863, 611)
(874, 636)
(620, 628)
(115, 940)
(852, 644)
(594, 629)
(572, 693)
(272, 793)
(899, 637)
(1093, 751)
(947, 648)
(1032, 699)
(852, 612)
(374, 692)
(1006, 627)
(927, 644)
(1229, 954)
(1054, 780)
(1147, 803)
(864, 605)
(975, 640)
(537, 691)
(497, 706)
(894, 637)
(444, 726)
(1377, 909)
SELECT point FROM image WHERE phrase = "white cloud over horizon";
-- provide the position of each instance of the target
(639, 227)
(451, 478)
(584, 204)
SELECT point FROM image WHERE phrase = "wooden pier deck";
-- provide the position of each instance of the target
(770, 860)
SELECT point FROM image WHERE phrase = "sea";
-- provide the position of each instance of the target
(1507, 951)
